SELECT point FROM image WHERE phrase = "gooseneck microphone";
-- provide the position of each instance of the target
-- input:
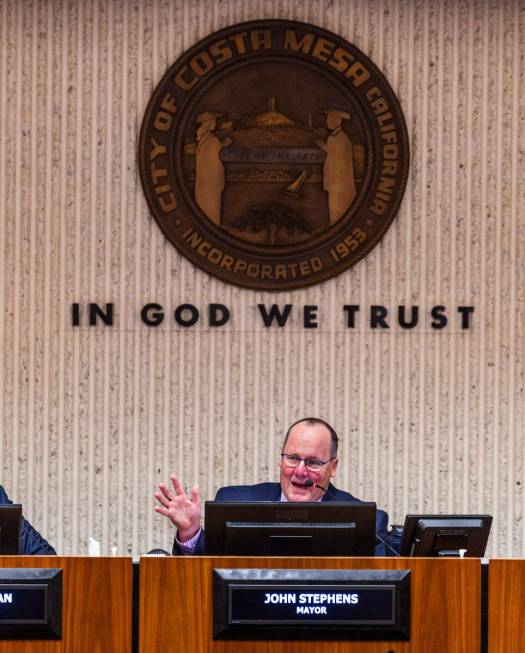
(309, 483)
(387, 545)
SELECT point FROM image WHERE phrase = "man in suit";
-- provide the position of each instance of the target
(31, 542)
(308, 462)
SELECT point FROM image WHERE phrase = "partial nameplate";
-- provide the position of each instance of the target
(259, 604)
(30, 603)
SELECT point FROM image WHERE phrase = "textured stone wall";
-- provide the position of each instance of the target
(91, 419)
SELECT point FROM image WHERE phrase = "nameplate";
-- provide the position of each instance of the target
(30, 603)
(258, 604)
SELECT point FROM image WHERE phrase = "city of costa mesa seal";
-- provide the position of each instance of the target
(274, 154)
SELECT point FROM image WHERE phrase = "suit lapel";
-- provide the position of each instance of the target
(330, 493)
(275, 492)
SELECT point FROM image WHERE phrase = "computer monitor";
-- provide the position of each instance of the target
(274, 528)
(10, 518)
(445, 535)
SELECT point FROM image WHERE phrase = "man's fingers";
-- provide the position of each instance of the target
(162, 511)
(195, 495)
(171, 500)
(164, 501)
(178, 506)
(177, 485)
(164, 496)
(165, 491)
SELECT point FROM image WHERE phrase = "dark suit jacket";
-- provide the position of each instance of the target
(272, 492)
(31, 542)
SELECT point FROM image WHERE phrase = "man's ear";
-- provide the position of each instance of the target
(334, 467)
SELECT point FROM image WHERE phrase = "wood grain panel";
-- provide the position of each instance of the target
(506, 606)
(96, 605)
(175, 605)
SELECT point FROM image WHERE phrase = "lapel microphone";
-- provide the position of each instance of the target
(309, 483)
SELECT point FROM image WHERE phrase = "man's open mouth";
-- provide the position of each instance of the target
(299, 485)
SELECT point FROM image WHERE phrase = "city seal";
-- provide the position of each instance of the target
(274, 154)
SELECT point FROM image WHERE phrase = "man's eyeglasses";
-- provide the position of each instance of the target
(312, 464)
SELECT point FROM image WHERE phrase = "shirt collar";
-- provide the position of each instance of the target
(285, 500)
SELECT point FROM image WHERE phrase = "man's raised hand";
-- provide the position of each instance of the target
(182, 510)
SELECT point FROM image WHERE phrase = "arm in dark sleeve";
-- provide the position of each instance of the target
(3, 496)
(199, 549)
(381, 526)
(31, 542)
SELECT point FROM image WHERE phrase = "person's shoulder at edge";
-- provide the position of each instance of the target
(3, 496)
(31, 542)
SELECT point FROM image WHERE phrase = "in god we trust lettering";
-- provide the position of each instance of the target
(376, 316)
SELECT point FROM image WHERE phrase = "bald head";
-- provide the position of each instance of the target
(315, 421)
